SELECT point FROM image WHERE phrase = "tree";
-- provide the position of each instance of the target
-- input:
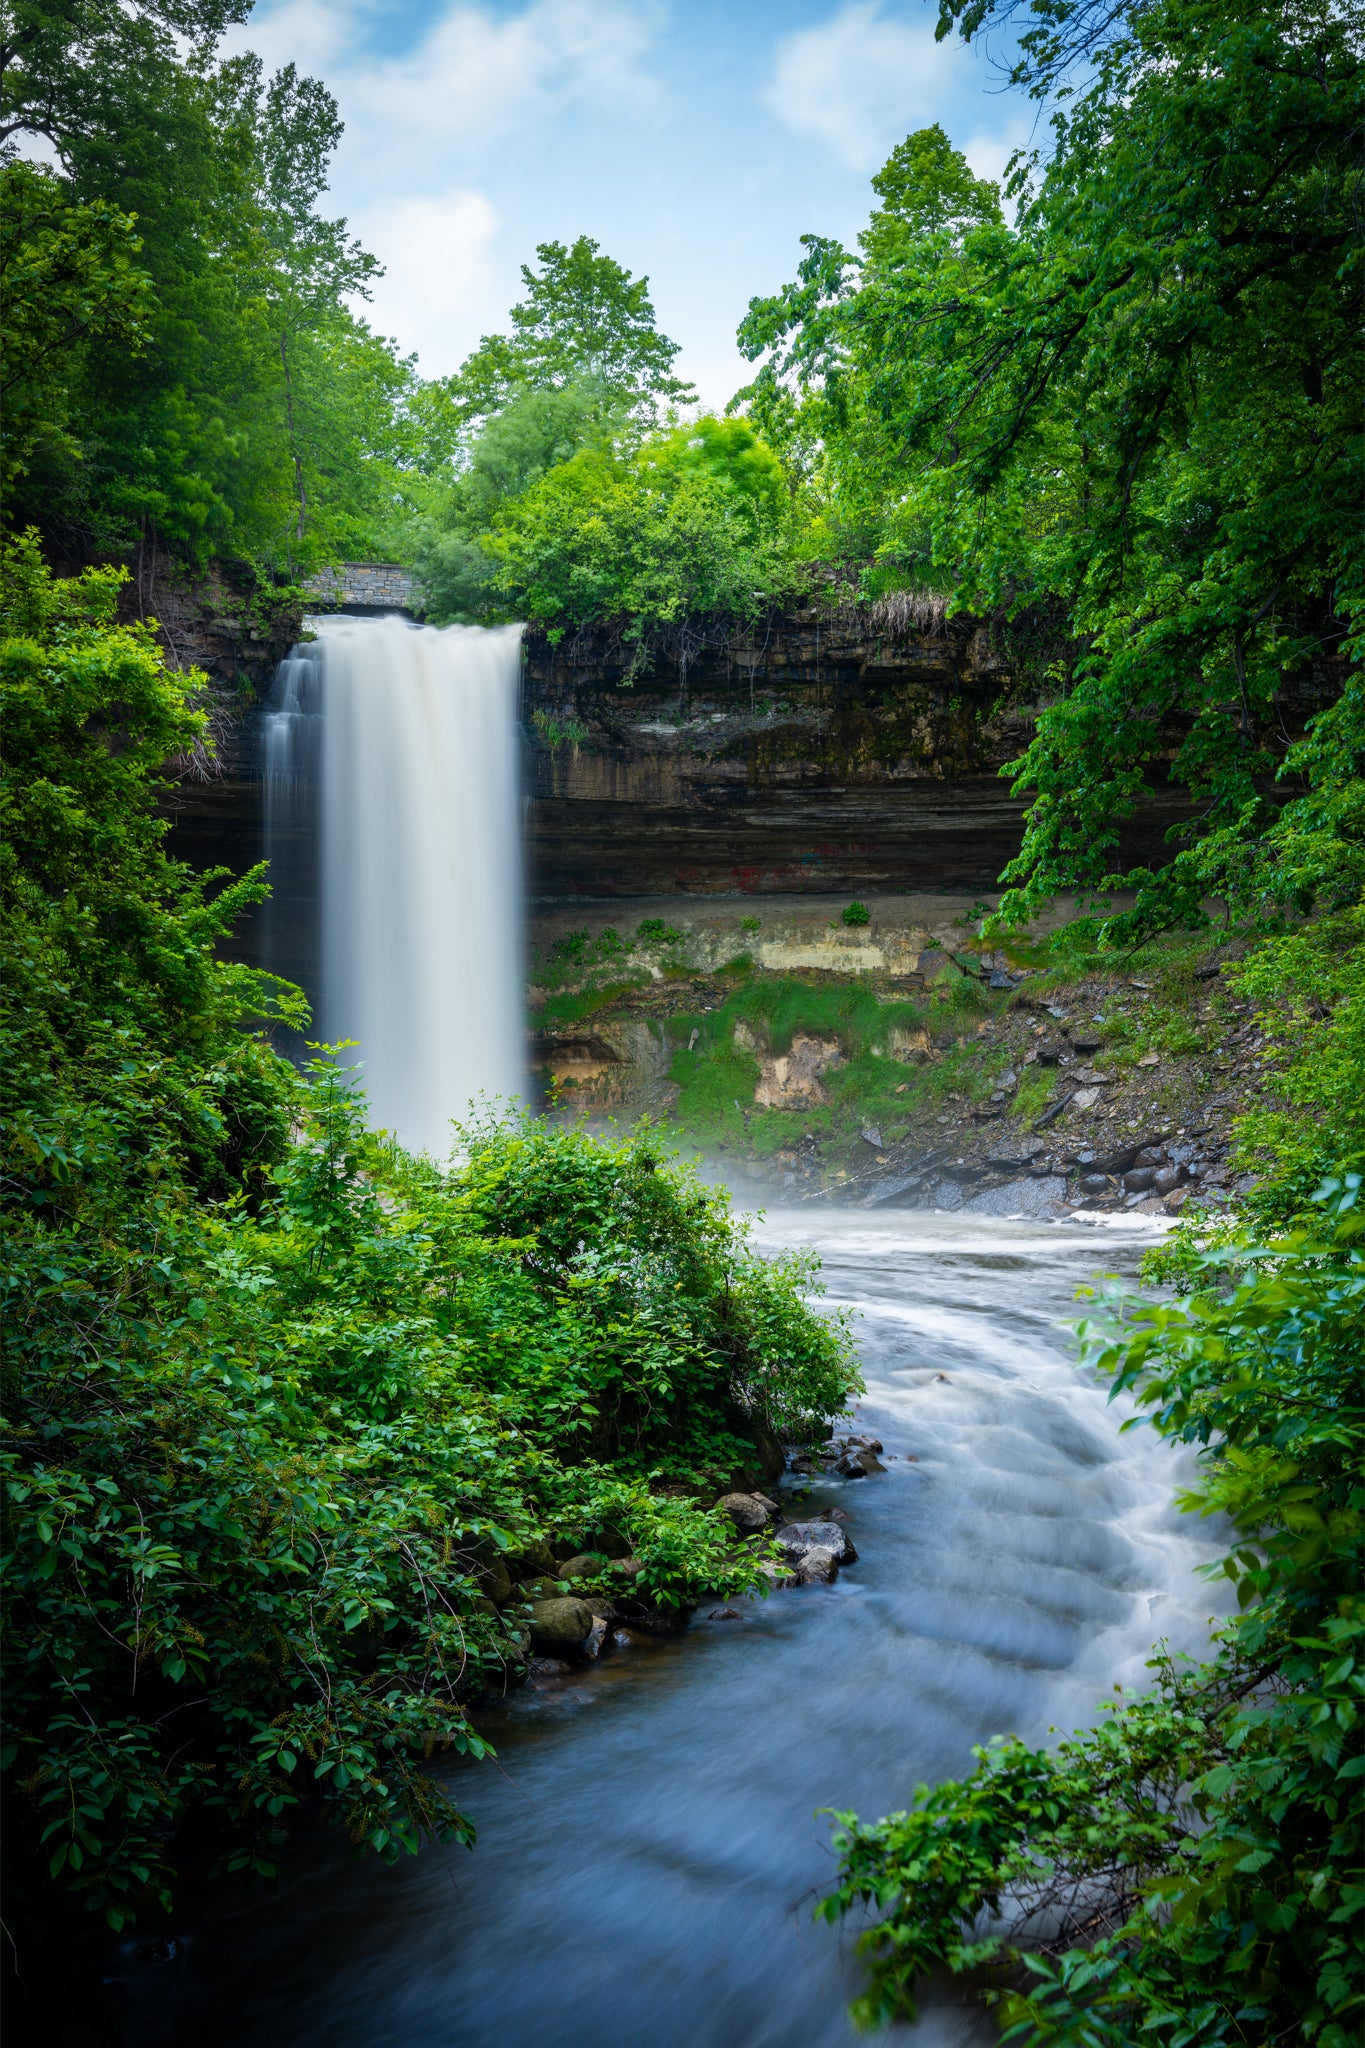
(308, 266)
(67, 273)
(584, 320)
(66, 68)
(1137, 404)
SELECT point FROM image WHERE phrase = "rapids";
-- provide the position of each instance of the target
(650, 1841)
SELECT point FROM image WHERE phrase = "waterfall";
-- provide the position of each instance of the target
(392, 824)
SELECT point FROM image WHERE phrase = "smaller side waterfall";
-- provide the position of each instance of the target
(392, 824)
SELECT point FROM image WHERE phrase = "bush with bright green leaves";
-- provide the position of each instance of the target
(277, 1398)
(690, 524)
(1191, 1869)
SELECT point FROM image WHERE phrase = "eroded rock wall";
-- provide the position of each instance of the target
(813, 753)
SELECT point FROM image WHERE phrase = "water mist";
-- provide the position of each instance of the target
(392, 809)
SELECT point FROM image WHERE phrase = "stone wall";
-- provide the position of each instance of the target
(364, 586)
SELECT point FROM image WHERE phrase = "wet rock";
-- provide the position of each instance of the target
(873, 1137)
(626, 1568)
(779, 1574)
(1139, 1179)
(817, 1568)
(1094, 1184)
(815, 1547)
(863, 1443)
(548, 1667)
(596, 1637)
(1015, 1160)
(1037, 1196)
(1167, 1178)
(748, 1511)
(562, 1623)
(856, 1464)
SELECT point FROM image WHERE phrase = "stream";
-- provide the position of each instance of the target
(650, 1845)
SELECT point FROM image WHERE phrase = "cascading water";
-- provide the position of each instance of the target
(652, 1844)
(393, 835)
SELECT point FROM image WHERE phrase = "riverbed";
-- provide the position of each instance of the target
(651, 1841)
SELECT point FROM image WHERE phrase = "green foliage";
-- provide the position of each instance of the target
(275, 1395)
(1135, 407)
(67, 273)
(1309, 987)
(1190, 1869)
(584, 322)
(574, 503)
(685, 525)
(856, 914)
(186, 364)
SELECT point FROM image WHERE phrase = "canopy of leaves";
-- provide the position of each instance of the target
(584, 320)
(199, 376)
(692, 523)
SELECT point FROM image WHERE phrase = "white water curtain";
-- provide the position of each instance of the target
(419, 869)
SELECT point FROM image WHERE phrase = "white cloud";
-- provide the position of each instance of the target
(309, 33)
(421, 126)
(859, 82)
(477, 74)
(439, 292)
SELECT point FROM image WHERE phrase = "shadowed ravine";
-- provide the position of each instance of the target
(650, 1848)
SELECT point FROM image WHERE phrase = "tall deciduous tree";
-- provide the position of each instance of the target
(1140, 402)
(584, 320)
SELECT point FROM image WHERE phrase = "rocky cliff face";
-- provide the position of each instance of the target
(856, 752)
(818, 754)
(221, 620)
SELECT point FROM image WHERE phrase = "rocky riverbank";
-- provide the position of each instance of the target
(583, 1608)
(899, 1060)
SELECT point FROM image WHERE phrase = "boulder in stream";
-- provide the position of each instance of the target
(587, 1565)
(560, 1624)
(859, 1464)
(815, 1550)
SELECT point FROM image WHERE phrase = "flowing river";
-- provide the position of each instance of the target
(650, 1841)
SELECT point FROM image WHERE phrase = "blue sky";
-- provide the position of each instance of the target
(696, 141)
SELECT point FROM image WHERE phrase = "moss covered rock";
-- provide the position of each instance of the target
(560, 1624)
